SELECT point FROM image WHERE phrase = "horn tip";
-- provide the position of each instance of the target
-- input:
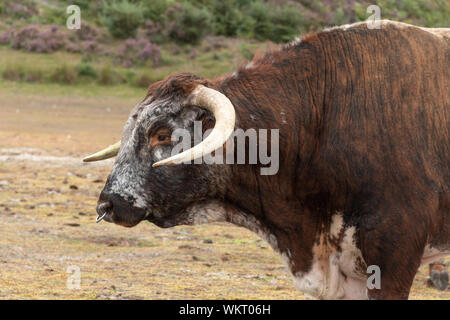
(163, 163)
(87, 159)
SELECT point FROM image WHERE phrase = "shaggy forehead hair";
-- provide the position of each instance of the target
(164, 98)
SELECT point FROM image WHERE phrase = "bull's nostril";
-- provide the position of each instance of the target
(102, 209)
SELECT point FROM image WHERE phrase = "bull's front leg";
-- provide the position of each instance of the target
(393, 245)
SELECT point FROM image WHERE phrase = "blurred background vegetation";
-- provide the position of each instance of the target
(137, 42)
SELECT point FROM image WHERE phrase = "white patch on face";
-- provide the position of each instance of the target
(128, 187)
(128, 182)
(431, 254)
(158, 154)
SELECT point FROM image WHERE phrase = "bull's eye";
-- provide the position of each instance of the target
(161, 136)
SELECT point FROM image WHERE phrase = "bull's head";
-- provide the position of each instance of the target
(151, 182)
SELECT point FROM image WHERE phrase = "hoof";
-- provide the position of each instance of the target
(440, 279)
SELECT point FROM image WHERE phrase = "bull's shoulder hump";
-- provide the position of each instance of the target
(389, 24)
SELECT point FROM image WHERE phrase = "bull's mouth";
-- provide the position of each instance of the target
(162, 223)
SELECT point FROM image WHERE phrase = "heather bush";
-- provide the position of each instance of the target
(151, 53)
(34, 38)
(132, 52)
(6, 36)
(121, 17)
(18, 9)
(89, 32)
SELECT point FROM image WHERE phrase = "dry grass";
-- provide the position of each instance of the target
(47, 218)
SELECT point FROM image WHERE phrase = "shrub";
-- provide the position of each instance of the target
(18, 9)
(32, 38)
(145, 80)
(227, 18)
(121, 17)
(18, 73)
(33, 76)
(187, 23)
(132, 52)
(286, 23)
(150, 52)
(64, 75)
(50, 15)
(85, 69)
(12, 73)
(108, 76)
(261, 26)
(88, 32)
(155, 9)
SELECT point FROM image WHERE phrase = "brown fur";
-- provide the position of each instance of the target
(364, 130)
(367, 134)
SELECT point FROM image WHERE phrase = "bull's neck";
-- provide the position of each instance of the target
(279, 91)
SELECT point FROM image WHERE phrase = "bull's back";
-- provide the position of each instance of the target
(387, 105)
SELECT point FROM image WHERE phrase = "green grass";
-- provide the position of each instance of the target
(69, 68)
(79, 89)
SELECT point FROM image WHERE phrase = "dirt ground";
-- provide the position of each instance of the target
(48, 229)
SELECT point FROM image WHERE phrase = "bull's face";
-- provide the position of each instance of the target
(149, 181)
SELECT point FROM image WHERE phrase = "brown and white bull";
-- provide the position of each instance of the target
(364, 156)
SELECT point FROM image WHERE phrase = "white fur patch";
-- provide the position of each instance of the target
(334, 274)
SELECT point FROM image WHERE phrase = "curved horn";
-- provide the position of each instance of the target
(222, 109)
(106, 153)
